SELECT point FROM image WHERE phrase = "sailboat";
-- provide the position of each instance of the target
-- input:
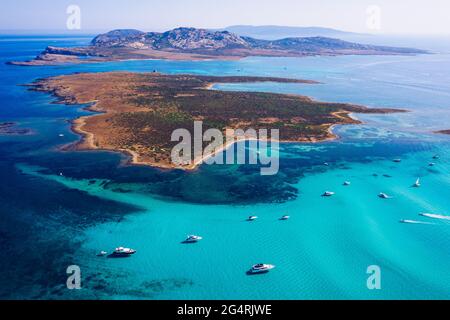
(417, 184)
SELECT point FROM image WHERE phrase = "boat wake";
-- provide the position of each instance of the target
(415, 222)
(435, 216)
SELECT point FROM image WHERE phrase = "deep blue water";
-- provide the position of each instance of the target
(50, 221)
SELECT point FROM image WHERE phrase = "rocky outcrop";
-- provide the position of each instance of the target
(191, 39)
(180, 38)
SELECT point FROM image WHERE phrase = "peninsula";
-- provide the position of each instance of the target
(137, 112)
(201, 44)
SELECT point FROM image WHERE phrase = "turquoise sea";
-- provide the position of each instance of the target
(61, 208)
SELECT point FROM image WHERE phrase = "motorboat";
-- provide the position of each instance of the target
(252, 218)
(431, 164)
(347, 183)
(102, 253)
(285, 217)
(261, 268)
(417, 184)
(123, 252)
(436, 157)
(383, 196)
(397, 160)
(193, 238)
(328, 194)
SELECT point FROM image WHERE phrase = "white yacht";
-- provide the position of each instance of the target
(417, 184)
(431, 164)
(285, 217)
(102, 253)
(252, 218)
(328, 194)
(347, 183)
(193, 238)
(261, 268)
(123, 252)
(436, 157)
(383, 196)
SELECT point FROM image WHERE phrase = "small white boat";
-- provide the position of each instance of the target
(383, 196)
(193, 238)
(347, 183)
(326, 164)
(417, 184)
(328, 194)
(123, 252)
(61, 135)
(261, 268)
(102, 254)
(285, 217)
(397, 160)
(436, 157)
(252, 218)
(431, 164)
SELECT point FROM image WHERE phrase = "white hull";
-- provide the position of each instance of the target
(266, 268)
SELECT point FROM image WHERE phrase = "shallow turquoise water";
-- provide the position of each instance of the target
(322, 252)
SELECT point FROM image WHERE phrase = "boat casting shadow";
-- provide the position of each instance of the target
(187, 242)
(115, 256)
(250, 273)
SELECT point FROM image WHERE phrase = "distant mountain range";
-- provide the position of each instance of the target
(192, 43)
(279, 32)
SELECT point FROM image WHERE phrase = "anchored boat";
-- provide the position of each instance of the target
(261, 268)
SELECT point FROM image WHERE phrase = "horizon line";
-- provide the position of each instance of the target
(87, 31)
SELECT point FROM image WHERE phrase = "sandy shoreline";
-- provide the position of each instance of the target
(95, 134)
(87, 142)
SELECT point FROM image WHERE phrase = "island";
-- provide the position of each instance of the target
(136, 113)
(200, 44)
(443, 131)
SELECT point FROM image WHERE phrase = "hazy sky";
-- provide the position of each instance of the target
(396, 16)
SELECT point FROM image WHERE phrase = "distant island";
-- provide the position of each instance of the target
(274, 32)
(200, 44)
(443, 131)
(139, 111)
